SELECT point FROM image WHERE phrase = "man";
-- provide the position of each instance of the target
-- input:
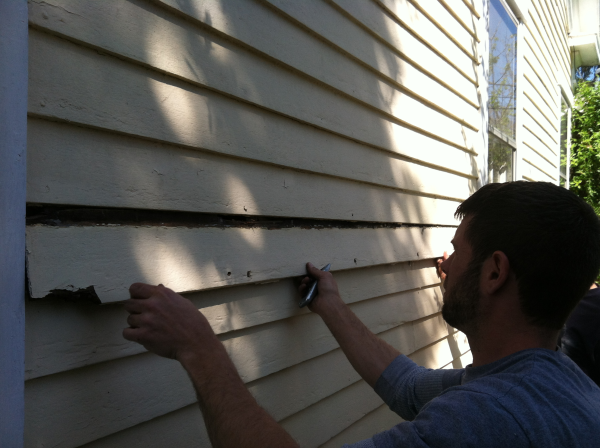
(524, 254)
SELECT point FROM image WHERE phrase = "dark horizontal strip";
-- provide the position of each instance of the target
(64, 216)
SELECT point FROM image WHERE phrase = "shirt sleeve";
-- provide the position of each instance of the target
(406, 387)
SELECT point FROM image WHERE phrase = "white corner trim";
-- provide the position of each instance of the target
(13, 133)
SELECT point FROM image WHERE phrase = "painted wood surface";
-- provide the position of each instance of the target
(74, 165)
(192, 52)
(114, 396)
(178, 112)
(326, 110)
(192, 259)
(63, 336)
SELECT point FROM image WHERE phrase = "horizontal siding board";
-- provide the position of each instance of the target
(379, 23)
(447, 23)
(63, 336)
(193, 259)
(533, 126)
(559, 49)
(72, 83)
(82, 405)
(379, 420)
(151, 35)
(540, 49)
(467, 18)
(372, 49)
(542, 162)
(534, 60)
(542, 174)
(434, 25)
(183, 427)
(81, 166)
(535, 93)
(532, 110)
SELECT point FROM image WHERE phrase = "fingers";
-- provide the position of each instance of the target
(134, 305)
(315, 272)
(141, 290)
(132, 334)
(134, 320)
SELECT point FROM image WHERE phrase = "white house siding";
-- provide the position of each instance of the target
(546, 67)
(334, 112)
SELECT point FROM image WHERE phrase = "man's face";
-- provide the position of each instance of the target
(461, 296)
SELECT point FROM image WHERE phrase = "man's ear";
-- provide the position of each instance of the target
(495, 272)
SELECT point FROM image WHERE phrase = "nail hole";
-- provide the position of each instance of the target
(249, 274)
(229, 273)
(355, 260)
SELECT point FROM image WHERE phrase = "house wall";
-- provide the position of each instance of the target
(546, 71)
(216, 147)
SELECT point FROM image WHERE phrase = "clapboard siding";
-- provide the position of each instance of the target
(61, 336)
(193, 259)
(180, 428)
(114, 395)
(377, 42)
(73, 83)
(347, 112)
(546, 65)
(81, 166)
(204, 51)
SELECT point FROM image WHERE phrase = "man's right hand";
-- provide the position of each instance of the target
(328, 296)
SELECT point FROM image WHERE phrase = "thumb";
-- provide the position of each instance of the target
(314, 271)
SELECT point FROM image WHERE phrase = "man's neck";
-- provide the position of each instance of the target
(492, 344)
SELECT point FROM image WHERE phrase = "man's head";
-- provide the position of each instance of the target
(550, 237)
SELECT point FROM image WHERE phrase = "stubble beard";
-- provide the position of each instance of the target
(461, 303)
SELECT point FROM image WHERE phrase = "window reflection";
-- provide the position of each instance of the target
(501, 93)
(564, 140)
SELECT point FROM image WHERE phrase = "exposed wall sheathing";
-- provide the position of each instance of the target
(364, 112)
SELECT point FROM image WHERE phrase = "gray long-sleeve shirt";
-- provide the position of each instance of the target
(532, 398)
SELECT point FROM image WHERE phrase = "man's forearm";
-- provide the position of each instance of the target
(233, 417)
(368, 354)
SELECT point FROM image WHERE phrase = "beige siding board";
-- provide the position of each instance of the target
(533, 63)
(357, 39)
(542, 36)
(379, 420)
(530, 124)
(327, 46)
(63, 336)
(539, 49)
(463, 15)
(542, 164)
(69, 82)
(534, 92)
(545, 176)
(432, 24)
(375, 19)
(543, 122)
(447, 24)
(551, 161)
(193, 259)
(75, 165)
(559, 48)
(85, 404)
(188, 51)
(531, 141)
(473, 6)
(183, 49)
(183, 427)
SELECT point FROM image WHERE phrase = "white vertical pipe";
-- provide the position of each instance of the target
(13, 132)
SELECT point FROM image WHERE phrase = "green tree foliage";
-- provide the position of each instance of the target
(585, 143)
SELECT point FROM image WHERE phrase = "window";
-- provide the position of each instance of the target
(565, 141)
(502, 90)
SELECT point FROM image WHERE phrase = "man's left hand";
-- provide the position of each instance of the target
(165, 322)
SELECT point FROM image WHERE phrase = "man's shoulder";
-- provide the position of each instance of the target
(542, 391)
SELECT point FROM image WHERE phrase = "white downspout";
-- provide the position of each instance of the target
(13, 171)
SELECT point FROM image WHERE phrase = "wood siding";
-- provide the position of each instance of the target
(546, 66)
(362, 115)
